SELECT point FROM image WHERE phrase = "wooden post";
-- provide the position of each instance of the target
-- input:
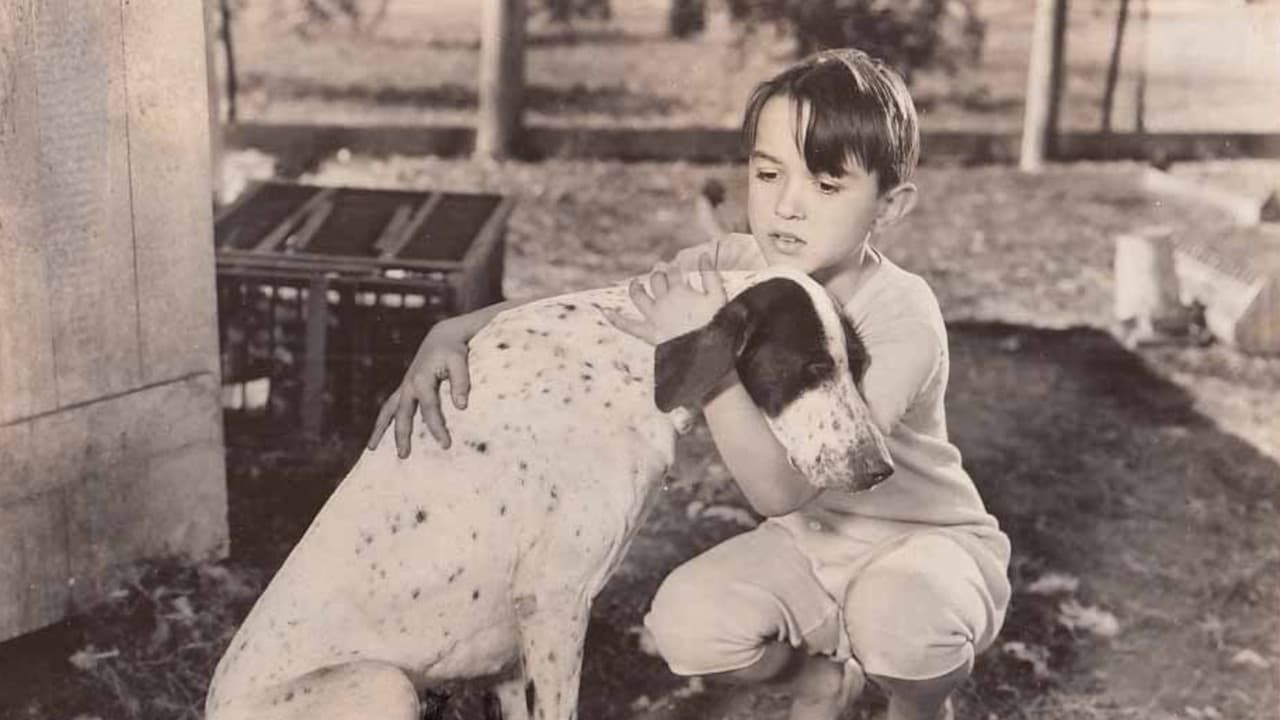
(1044, 82)
(216, 147)
(501, 82)
(110, 430)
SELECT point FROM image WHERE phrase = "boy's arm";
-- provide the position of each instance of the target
(754, 457)
(441, 356)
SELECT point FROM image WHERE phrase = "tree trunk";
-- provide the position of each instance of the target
(1113, 68)
(501, 82)
(1044, 83)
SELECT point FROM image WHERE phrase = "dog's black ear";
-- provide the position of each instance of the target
(688, 367)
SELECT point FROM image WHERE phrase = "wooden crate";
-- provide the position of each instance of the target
(343, 283)
(1236, 276)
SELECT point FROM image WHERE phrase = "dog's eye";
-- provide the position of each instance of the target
(819, 368)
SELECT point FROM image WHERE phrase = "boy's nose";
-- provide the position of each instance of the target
(788, 206)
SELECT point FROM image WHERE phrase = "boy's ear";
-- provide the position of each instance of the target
(896, 203)
(688, 367)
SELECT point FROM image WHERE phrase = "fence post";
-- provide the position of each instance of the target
(501, 81)
(1044, 82)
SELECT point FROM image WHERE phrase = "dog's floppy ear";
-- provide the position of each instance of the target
(688, 367)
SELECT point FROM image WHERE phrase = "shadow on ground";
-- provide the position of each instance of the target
(1098, 469)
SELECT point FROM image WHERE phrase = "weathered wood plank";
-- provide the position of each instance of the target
(26, 331)
(61, 448)
(172, 194)
(86, 229)
(35, 564)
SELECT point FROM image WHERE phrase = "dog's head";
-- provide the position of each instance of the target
(800, 362)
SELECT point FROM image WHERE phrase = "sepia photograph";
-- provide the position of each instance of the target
(639, 359)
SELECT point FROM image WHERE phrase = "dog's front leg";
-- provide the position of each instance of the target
(551, 640)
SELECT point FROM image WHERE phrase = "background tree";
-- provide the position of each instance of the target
(908, 34)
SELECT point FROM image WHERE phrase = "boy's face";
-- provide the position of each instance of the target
(814, 224)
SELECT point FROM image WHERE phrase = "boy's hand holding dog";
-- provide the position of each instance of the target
(441, 356)
(675, 307)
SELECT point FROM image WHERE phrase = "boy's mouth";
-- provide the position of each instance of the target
(786, 242)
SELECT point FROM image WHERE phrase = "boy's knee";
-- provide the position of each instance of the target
(909, 623)
(702, 627)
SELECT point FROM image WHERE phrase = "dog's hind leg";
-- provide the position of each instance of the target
(511, 698)
(351, 691)
(551, 641)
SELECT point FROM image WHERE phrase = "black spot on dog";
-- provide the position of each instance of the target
(474, 535)
(524, 465)
(453, 575)
(475, 595)
(569, 306)
(420, 516)
(503, 346)
(416, 592)
(551, 657)
(587, 364)
(554, 495)
(586, 377)
(482, 447)
(530, 696)
(608, 404)
(502, 510)
(568, 400)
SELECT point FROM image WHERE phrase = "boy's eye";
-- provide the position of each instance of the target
(828, 188)
(766, 174)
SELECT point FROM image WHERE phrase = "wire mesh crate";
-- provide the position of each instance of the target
(325, 292)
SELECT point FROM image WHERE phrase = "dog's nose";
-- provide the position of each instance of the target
(872, 470)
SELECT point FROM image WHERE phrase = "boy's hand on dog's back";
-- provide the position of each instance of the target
(441, 356)
(675, 307)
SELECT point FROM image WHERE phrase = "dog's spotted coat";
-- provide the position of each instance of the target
(483, 559)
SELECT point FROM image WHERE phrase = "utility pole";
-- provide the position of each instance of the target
(1044, 84)
(501, 82)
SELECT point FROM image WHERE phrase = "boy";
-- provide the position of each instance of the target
(904, 583)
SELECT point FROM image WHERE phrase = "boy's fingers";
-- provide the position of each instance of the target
(660, 282)
(404, 426)
(634, 328)
(639, 297)
(712, 283)
(385, 414)
(429, 409)
(435, 425)
(459, 380)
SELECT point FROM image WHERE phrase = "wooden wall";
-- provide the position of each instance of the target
(110, 429)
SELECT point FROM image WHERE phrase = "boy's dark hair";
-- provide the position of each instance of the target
(859, 108)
